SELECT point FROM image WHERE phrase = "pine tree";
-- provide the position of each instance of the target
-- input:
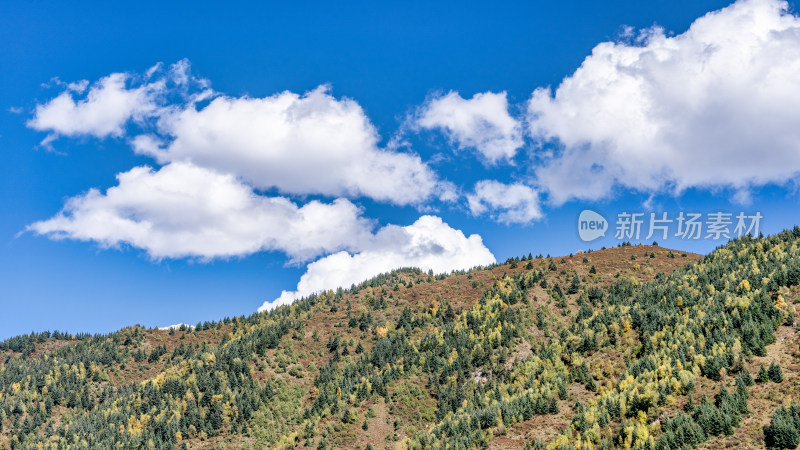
(689, 405)
(763, 376)
(574, 286)
(782, 431)
(562, 391)
(775, 373)
(742, 394)
(747, 378)
(553, 407)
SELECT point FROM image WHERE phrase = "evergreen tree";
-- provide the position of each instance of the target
(746, 378)
(574, 286)
(763, 376)
(689, 405)
(775, 373)
(782, 431)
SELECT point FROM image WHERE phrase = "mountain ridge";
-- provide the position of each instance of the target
(374, 364)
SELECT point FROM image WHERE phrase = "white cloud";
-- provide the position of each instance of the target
(742, 197)
(299, 144)
(202, 202)
(78, 86)
(506, 203)
(106, 109)
(482, 123)
(183, 210)
(110, 103)
(715, 106)
(428, 243)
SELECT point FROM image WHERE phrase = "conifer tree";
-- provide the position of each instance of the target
(575, 285)
(775, 373)
(763, 376)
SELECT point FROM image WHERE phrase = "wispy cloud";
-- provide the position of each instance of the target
(104, 108)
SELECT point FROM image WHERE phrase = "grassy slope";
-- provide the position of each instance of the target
(409, 406)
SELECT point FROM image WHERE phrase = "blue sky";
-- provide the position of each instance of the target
(279, 140)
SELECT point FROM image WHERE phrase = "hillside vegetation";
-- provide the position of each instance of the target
(630, 347)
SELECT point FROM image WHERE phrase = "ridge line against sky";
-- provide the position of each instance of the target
(308, 175)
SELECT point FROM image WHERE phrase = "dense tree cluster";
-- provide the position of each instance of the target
(784, 428)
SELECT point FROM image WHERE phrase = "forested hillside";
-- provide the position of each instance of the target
(630, 347)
